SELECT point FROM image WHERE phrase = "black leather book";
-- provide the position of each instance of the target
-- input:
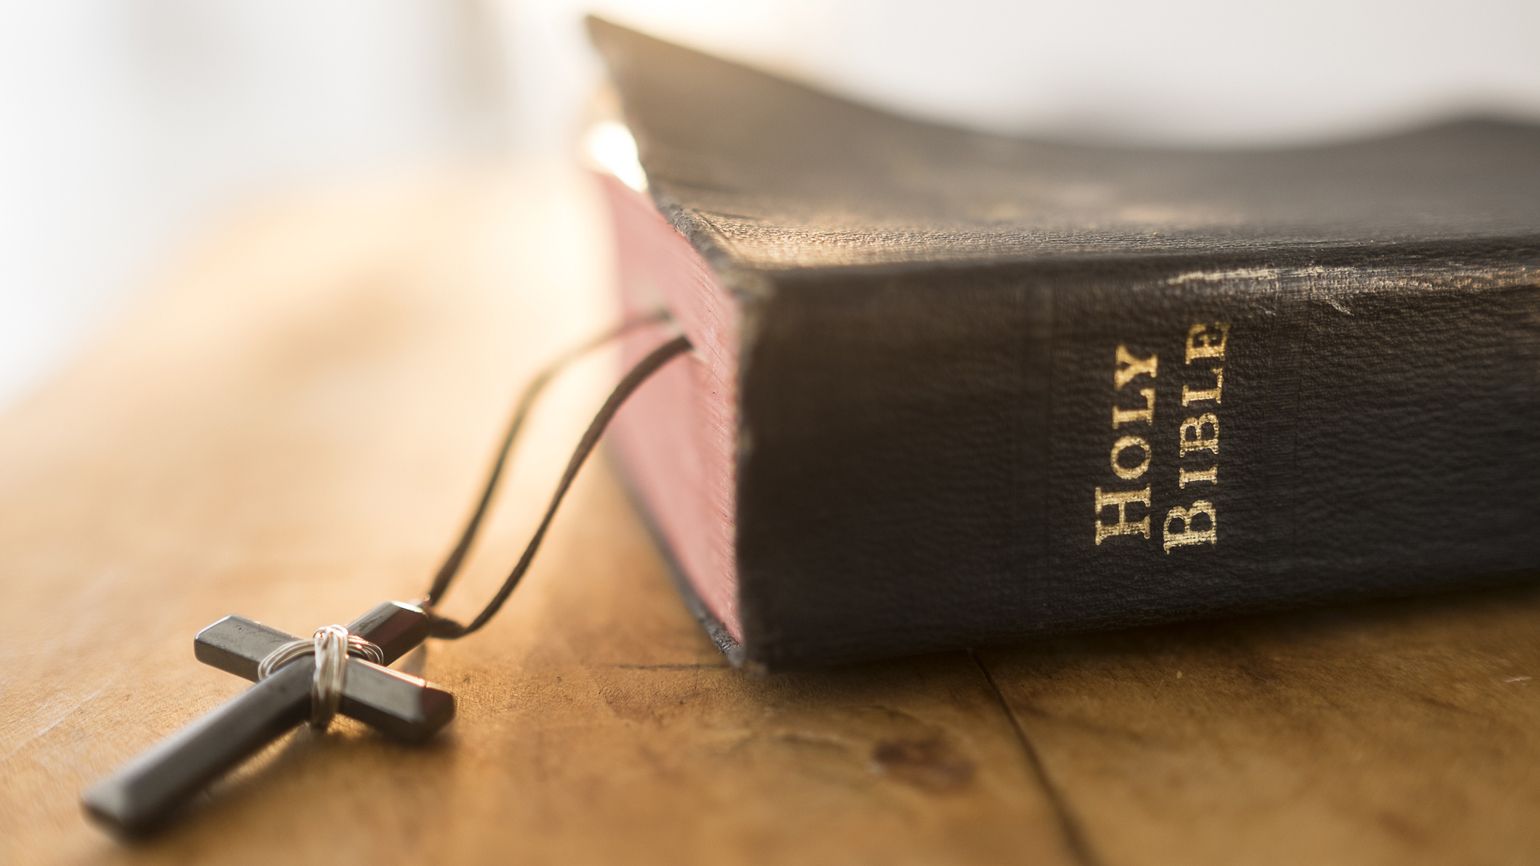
(953, 389)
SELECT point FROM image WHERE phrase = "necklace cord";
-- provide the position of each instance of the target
(526, 404)
(448, 629)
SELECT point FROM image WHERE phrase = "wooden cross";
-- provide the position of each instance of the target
(150, 788)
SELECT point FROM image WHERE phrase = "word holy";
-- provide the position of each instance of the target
(1133, 419)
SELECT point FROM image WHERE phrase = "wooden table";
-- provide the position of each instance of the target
(291, 425)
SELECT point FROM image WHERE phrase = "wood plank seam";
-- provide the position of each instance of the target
(1075, 840)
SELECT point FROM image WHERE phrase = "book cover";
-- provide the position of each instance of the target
(952, 389)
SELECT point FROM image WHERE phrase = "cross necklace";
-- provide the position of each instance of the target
(342, 669)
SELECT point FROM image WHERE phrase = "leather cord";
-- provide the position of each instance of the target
(448, 629)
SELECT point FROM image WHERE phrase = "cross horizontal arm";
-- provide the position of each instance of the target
(238, 645)
(395, 627)
(394, 703)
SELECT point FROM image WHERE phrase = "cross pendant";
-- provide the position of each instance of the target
(149, 789)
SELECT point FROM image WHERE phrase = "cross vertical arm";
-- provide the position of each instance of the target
(149, 788)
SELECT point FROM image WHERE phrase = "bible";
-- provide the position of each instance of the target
(952, 389)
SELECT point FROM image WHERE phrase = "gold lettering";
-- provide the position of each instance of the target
(1207, 340)
(1129, 416)
(1187, 476)
(1129, 366)
(1193, 438)
(1130, 473)
(1189, 534)
(1121, 501)
(1189, 396)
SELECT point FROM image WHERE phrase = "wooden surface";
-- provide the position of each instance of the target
(291, 425)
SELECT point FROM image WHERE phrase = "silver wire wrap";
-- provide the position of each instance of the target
(331, 645)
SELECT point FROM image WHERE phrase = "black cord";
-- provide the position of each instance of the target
(449, 629)
(532, 391)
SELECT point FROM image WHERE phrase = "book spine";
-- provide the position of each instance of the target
(950, 457)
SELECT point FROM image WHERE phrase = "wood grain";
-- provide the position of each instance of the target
(290, 425)
(1405, 732)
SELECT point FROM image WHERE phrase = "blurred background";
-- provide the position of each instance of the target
(132, 124)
